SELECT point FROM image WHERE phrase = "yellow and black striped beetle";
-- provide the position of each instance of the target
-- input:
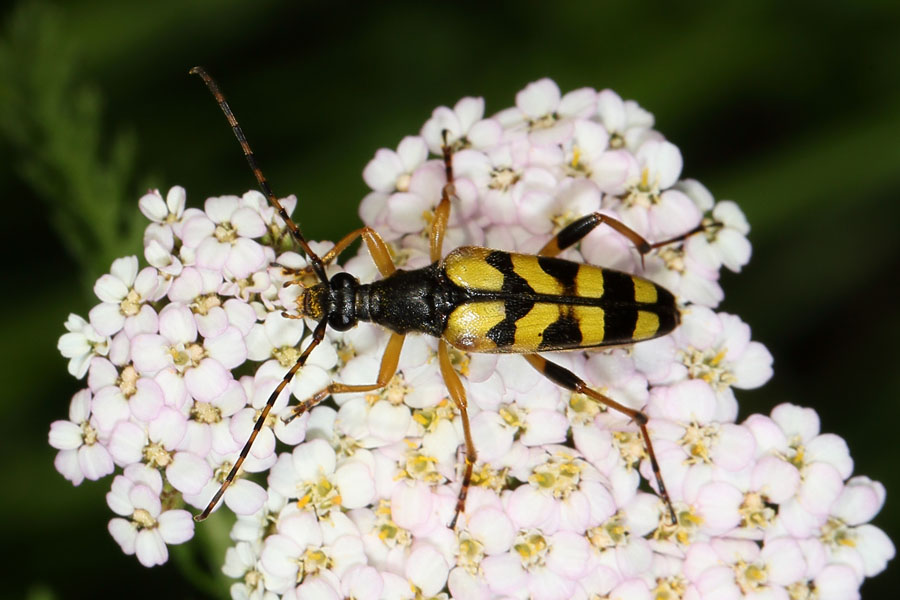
(477, 300)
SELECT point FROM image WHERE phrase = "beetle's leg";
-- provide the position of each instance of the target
(458, 394)
(389, 361)
(565, 378)
(378, 250)
(317, 337)
(442, 212)
(576, 230)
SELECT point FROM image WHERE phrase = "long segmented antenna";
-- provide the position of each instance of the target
(314, 259)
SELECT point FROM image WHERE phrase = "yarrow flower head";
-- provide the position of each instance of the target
(351, 495)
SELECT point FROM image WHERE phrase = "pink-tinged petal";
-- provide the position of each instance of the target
(66, 463)
(569, 554)
(95, 461)
(492, 437)
(837, 582)
(65, 435)
(527, 507)
(213, 323)
(875, 548)
(240, 314)
(734, 249)
(168, 428)
(187, 286)
(860, 500)
(127, 443)
(362, 582)
(124, 533)
(833, 450)
(355, 484)
(611, 170)
(664, 160)
(196, 229)
(146, 321)
(822, 484)
(735, 448)
(493, 528)
(381, 172)
(278, 554)
(318, 587)
(718, 504)
(539, 98)
(212, 254)
(412, 152)
(769, 436)
(248, 223)
(221, 208)
(176, 526)
(579, 103)
(411, 505)
(111, 289)
(463, 584)
(245, 497)
(754, 367)
(246, 256)
(504, 573)
(388, 422)
(153, 206)
(313, 460)
(176, 324)
(426, 569)
(106, 318)
(188, 473)
(675, 213)
(147, 400)
(208, 380)
(143, 497)
(546, 584)
(282, 332)
(796, 421)
(717, 583)
(544, 427)
(406, 212)
(775, 479)
(150, 548)
(784, 560)
(109, 408)
(228, 348)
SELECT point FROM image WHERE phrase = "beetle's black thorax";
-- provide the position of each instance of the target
(419, 300)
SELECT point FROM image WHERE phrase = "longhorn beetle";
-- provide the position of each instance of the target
(476, 300)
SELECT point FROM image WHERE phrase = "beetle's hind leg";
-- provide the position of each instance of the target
(575, 231)
(565, 378)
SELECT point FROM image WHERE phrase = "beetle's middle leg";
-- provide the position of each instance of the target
(458, 394)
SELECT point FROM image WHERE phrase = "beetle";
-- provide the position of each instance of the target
(477, 300)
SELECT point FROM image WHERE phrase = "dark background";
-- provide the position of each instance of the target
(791, 109)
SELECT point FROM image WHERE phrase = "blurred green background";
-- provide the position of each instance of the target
(791, 109)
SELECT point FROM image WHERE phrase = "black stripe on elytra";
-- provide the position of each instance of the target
(563, 271)
(504, 333)
(564, 332)
(513, 283)
(620, 320)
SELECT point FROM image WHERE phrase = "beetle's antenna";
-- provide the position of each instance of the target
(316, 262)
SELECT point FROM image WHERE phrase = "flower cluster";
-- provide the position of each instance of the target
(353, 498)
